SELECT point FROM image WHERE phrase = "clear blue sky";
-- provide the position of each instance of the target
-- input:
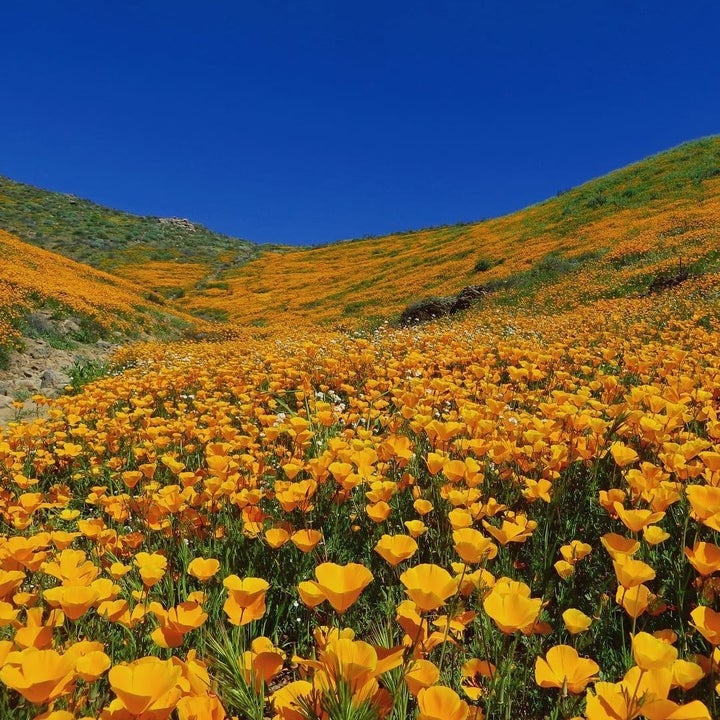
(306, 122)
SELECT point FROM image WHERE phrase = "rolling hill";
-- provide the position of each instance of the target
(649, 224)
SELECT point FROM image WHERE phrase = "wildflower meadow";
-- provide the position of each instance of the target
(491, 517)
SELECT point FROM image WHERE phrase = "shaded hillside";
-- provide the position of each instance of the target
(106, 238)
(613, 236)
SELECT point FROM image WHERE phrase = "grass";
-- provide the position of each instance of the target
(107, 238)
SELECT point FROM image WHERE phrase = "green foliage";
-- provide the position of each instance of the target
(482, 265)
(107, 238)
(84, 371)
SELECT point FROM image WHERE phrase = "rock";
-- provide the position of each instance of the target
(40, 322)
(49, 379)
(5, 401)
(103, 344)
(39, 352)
(436, 307)
(69, 327)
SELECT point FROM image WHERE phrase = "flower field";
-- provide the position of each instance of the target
(511, 514)
(505, 516)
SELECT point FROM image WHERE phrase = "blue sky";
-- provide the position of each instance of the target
(308, 122)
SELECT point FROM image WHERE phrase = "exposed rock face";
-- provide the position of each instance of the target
(178, 222)
(436, 307)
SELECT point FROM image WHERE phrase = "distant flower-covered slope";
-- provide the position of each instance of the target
(99, 304)
(628, 233)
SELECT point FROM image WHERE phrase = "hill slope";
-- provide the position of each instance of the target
(610, 237)
(108, 239)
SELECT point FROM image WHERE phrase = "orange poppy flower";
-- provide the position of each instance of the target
(92, 665)
(200, 707)
(509, 604)
(152, 567)
(420, 674)
(146, 685)
(622, 454)
(704, 557)
(631, 572)
(74, 600)
(246, 601)
(176, 622)
(289, 700)
(686, 675)
(563, 668)
(441, 703)
(651, 653)
(276, 537)
(203, 569)
(635, 600)
(306, 540)
(575, 551)
(342, 584)
(636, 520)
(40, 676)
(378, 512)
(422, 506)
(395, 548)
(428, 585)
(707, 621)
(576, 621)
(472, 546)
(619, 545)
(517, 529)
(654, 535)
(564, 569)
(416, 528)
(9, 580)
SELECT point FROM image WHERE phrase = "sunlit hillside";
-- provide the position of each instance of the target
(34, 279)
(109, 239)
(611, 237)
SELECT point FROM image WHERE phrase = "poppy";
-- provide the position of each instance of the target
(420, 674)
(246, 599)
(472, 546)
(394, 549)
(563, 668)
(707, 621)
(203, 569)
(306, 540)
(651, 653)
(428, 586)
(576, 621)
(441, 703)
(146, 685)
(342, 584)
(704, 557)
(40, 676)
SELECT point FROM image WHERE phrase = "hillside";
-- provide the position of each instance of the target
(55, 311)
(610, 237)
(108, 239)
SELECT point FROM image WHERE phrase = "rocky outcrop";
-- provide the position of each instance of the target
(436, 307)
(41, 369)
